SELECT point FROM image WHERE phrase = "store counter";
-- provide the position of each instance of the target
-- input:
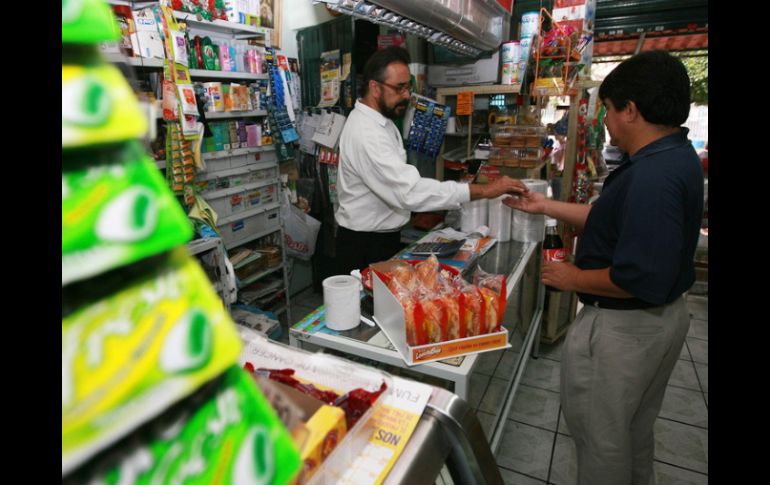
(520, 262)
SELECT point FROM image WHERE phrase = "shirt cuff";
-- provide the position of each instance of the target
(464, 193)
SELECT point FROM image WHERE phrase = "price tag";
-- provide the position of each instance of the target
(465, 103)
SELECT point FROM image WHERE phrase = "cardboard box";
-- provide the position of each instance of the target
(325, 372)
(316, 428)
(390, 316)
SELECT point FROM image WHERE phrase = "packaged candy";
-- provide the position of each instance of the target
(87, 22)
(128, 356)
(224, 433)
(98, 106)
(116, 209)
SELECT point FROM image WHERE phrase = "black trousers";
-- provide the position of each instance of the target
(356, 250)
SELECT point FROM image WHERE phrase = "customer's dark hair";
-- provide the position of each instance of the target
(656, 82)
(374, 69)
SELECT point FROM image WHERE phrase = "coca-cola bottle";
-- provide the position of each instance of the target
(553, 247)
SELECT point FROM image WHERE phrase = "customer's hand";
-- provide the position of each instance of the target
(532, 202)
(560, 275)
(505, 185)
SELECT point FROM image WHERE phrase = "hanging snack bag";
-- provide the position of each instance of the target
(87, 22)
(224, 433)
(98, 106)
(116, 209)
(128, 356)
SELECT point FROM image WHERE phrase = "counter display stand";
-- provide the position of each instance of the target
(520, 262)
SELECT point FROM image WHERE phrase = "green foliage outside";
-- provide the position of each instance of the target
(698, 69)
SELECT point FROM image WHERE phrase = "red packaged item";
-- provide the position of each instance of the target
(452, 299)
(354, 403)
(474, 316)
(493, 288)
(434, 318)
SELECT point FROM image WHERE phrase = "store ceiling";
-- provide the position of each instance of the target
(624, 27)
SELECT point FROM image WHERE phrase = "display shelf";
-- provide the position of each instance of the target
(150, 62)
(259, 276)
(248, 213)
(218, 194)
(207, 74)
(198, 246)
(475, 133)
(235, 114)
(222, 26)
(255, 236)
(276, 285)
(237, 151)
(252, 167)
(483, 89)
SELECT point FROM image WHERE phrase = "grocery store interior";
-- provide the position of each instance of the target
(209, 333)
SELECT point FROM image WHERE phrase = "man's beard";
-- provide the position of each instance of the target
(391, 113)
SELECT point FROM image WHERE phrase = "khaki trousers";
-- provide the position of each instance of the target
(614, 371)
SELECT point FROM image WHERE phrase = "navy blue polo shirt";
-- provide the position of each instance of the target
(645, 224)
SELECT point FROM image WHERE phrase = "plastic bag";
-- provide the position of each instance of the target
(493, 289)
(300, 232)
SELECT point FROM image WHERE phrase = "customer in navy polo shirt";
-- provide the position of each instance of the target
(634, 261)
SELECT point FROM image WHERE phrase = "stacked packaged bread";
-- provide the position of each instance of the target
(439, 306)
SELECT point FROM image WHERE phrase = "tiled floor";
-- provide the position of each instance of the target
(537, 448)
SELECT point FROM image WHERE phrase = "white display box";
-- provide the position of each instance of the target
(390, 316)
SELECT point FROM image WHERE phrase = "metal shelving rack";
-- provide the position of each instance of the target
(234, 31)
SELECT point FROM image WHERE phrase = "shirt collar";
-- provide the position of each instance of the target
(371, 113)
(661, 144)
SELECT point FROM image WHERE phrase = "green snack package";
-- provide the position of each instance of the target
(87, 22)
(116, 209)
(226, 433)
(98, 106)
(129, 356)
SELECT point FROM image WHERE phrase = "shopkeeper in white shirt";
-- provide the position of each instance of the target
(376, 188)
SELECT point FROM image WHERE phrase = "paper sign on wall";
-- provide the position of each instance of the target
(329, 130)
(330, 78)
(465, 103)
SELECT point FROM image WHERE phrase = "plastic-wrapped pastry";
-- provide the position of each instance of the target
(473, 317)
(454, 309)
(494, 288)
(433, 316)
(427, 273)
(405, 275)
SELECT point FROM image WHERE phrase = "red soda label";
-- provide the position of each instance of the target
(557, 255)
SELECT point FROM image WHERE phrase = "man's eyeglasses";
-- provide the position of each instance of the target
(401, 89)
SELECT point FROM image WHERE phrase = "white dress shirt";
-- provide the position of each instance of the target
(376, 188)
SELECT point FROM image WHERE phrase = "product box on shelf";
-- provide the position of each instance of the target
(226, 160)
(240, 230)
(390, 316)
(325, 373)
(242, 198)
(210, 181)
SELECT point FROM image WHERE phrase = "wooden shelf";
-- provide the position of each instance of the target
(482, 89)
